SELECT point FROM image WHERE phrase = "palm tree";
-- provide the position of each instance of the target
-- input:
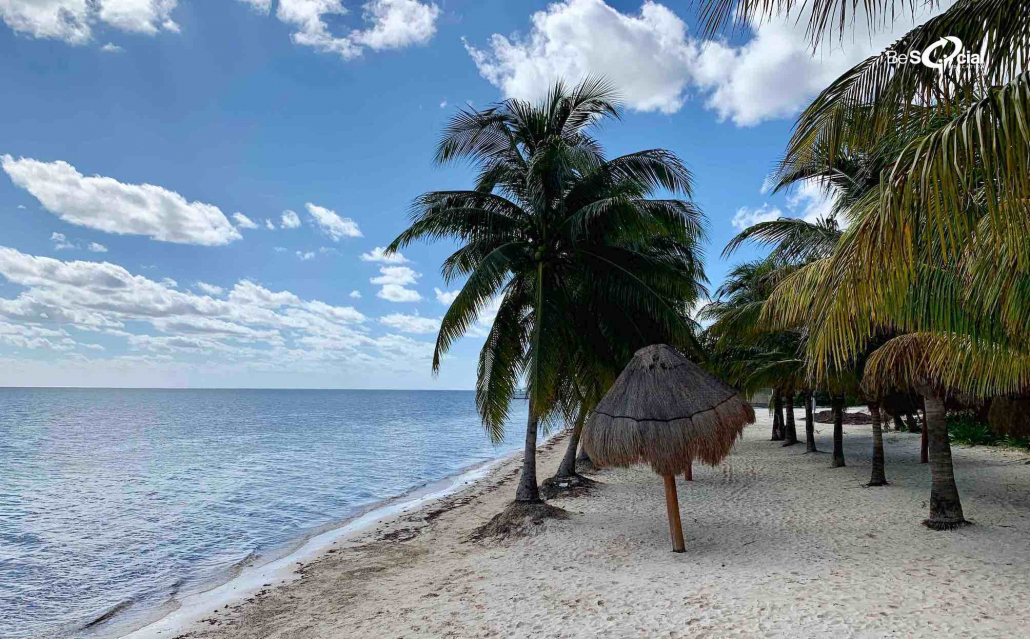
(936, 257)
(552, 225)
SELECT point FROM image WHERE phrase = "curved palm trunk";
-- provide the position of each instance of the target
(879, 476)
(838, 432)
(809, 425)
(945, 505)
(777, 429)
(568, 463)
(528, 489)
(791, 434)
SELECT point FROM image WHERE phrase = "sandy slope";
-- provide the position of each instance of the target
(778, 545)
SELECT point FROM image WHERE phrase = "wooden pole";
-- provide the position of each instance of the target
(673, 505)
(688, 474)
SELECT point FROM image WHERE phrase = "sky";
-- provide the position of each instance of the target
(196, 193)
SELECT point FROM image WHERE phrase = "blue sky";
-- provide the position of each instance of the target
(133, 131)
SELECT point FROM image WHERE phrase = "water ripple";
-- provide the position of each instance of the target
(114, 501)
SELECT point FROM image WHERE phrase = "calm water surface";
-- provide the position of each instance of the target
(123, 500)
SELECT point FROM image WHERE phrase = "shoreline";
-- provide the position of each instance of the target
(250, 581)
(779, 544)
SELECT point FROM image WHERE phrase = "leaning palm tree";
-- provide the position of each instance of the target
(550, 225)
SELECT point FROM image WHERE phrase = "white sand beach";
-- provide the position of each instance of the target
(778, 545)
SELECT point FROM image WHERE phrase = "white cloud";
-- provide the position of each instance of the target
(397, 293)
(746, 217)
(243, 222)
(775, 74)
(269, 224)
(111, 47)
(411, 323)
(305, 256)
(397, 23)
(139, 16)
(444, 297)
(289, 220)
(331, 224)
(279, 249)
(251, 328)
(378, 255)
(393, 280)
(60, 241)
(648, 56)
(108, 205)
(35, 337)
(808, 201)
(655, 63)
(401, 275)
(308, 17)
(443, 104)
(209, 289)
(355, 294)
(247, 292)
(392, 24)
(72, 20)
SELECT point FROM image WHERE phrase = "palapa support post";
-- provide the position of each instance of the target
(666, 411)
(673, 505)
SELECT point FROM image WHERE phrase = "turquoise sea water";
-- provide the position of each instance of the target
(122, 501)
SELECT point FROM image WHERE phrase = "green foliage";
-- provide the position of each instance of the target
(586, 258)
(965, 428)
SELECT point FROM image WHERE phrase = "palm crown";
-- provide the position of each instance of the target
(586, 263)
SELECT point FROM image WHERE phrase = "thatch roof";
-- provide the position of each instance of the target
(665, 411)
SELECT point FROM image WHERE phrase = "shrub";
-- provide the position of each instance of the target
(965, 428)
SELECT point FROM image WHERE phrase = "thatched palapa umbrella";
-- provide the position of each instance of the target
(666, 411)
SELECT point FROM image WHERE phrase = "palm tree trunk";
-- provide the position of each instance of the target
(898, 424)
(945, 505)
(777, 429)
(838, 431)
(879, 476)
(924, 444)
(568, 463)
(791, 429)
(528, 490)
(809, 425)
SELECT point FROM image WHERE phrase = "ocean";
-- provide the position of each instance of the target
(114, 504)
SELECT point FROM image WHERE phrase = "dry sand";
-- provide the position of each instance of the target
(778, 545)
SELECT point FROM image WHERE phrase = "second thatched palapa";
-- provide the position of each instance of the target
(666, 411)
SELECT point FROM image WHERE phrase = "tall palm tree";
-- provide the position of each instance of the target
(550, 227)
(937, 256)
